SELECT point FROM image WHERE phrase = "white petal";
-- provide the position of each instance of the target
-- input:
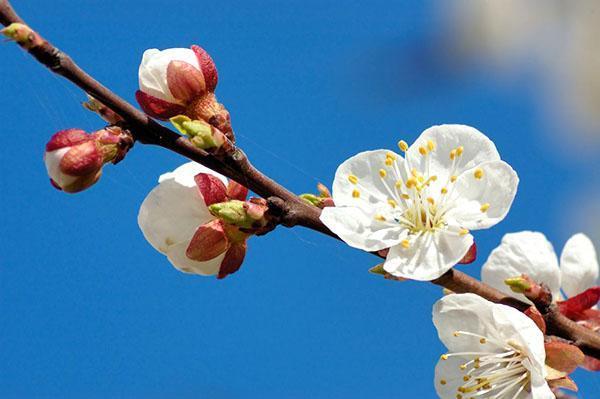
(429, 256)
(359, 229)
(471, 313)
(173, 210)
(365, 166)
(497, 187)
(477, 149)
(52, 160)
(579, 265)
(449, 371)
(177, 257)
(152, 73)
(525, 252)
(185, 173)
(540, 388)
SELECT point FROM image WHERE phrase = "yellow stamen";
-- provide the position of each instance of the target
(456, 333)
(453, 178)
(389, 162)
(398, 184)
(444, 357)
(466, 378)
(443, 382)
(430, 200)
(405, 196)
(392, 203)
(430, 145)
(414, 172)
(406, 244)
(382, 173)
(485, 207)
(452, 154)
(391, 155)
(482, 341)
(379, 218)
(355, 194)
(353, 179)
(410, 183)
(478, 173)
(463, 232)
(444, 190)
(403, 145)
(423, 150)
(460, 150)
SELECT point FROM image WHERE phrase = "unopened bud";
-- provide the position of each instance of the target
(74, 159)
(378, 270)
(520, 284)
(232, 212)
(311, 199)
(201, 134)
(23, 35)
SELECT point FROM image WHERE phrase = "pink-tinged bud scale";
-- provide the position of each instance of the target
(211, 188)
(157, 108)
(208, 242)
(234, 257)
(208, 67)
(185, 81)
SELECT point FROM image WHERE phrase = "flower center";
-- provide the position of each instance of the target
(495, 372)
(416, 200)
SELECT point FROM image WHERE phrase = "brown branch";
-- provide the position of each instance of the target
(287, 207)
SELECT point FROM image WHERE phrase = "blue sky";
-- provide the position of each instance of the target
(89, 310)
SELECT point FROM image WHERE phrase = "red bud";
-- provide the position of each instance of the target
(211, 188)
(82, 159)
(66, 138)
(209, 70)
(157, 108)
(185, 81)
(236, 191)
(208, 242)
(233, 260)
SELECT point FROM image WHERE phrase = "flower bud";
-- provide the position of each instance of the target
(74, 159)
(201, 134)
(23, 35)
(105, 113)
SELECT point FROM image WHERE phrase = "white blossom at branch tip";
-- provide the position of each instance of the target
(171, 213)
(494, 351)
(424, 205)
(530, 253)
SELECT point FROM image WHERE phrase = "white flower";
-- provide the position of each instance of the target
(423, 206)
(174, 211)
(495, 351)
(530, 253)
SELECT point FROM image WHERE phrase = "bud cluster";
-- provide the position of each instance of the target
(74, 158)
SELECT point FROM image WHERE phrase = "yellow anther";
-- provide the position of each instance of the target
(452, 154)
(355, 194)
(463, 232)
(444, 190)
(391, 155)
(463, 366)
(466, 378)
(485, 207)
(410, 183)
(453, 178)
(460, 150)
(444, 357)
(430, 145)
(379, 218)
(422, 150)
(414, 172)
(398, 184)
(433, 178)
(382, 173)
(406, 244)
(478, 173)
(403, 145)
(389, 162)
(353, 179)
(456, 333)
(392, 203)
(405, 196)
(430, 200)
(421, 179)
(482, 341)
(443, 382)
(459, 396)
